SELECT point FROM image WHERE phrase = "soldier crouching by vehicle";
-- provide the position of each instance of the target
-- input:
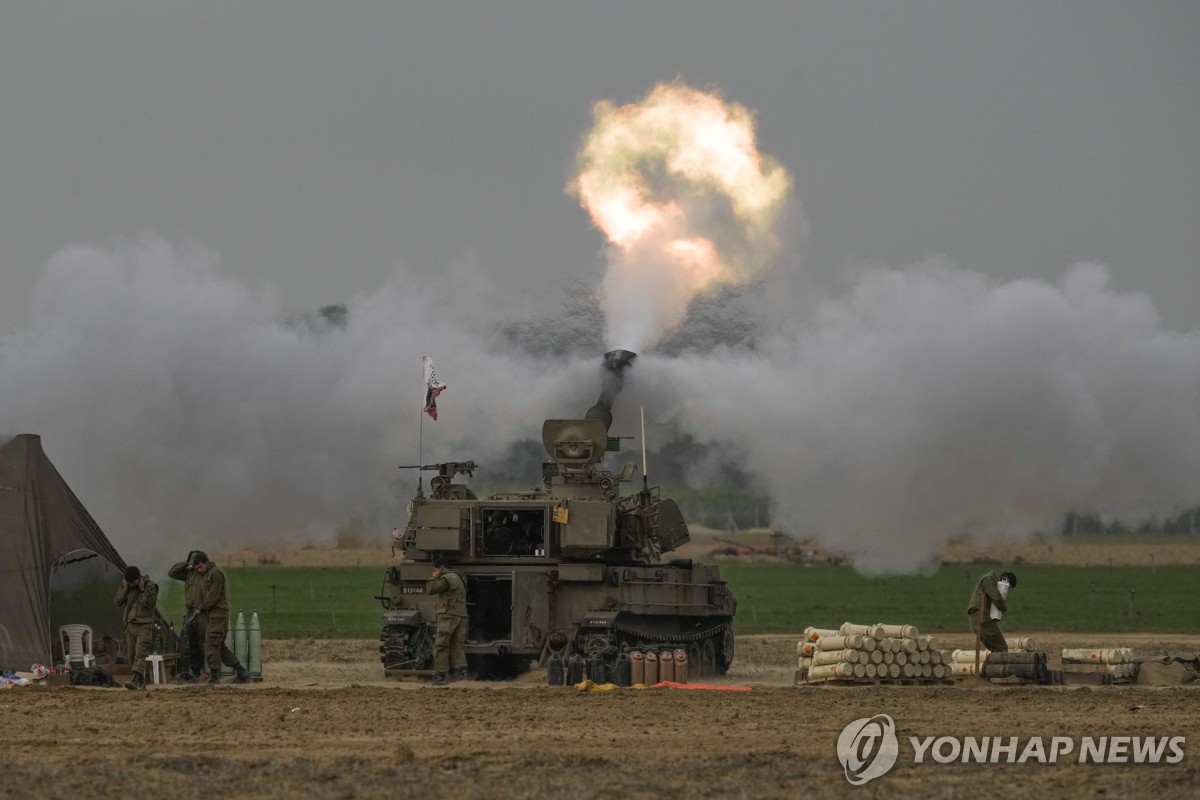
(214, 613)
(138, 596)
(193, 629)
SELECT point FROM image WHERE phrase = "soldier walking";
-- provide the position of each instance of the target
(138, 596)
(193, 630)
(214, 609)
(448, 649)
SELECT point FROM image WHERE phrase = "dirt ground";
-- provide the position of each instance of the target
(325, 723)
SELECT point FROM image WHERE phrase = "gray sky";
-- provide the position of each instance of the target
(314, 146)
(982, 317)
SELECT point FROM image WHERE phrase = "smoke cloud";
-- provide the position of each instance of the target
(924, 403)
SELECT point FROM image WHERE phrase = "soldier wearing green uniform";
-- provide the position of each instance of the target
(448, 653)
(987, 595)
(193, 630)
(138, 597)
(214, 611)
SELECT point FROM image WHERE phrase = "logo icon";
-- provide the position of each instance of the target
(868, 748)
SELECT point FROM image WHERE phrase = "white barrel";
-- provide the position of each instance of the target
(805, 662)
(923, 657)
(926, 670)
(1022, 643)
(889, 657)
(900, 631)
(968, 656)
(831, 672)
(812, 634)
(1109, 655)
(823, 657)
(841, 642)
(876, 656)
(860, 671)
(870, 671)
(962, 668)
(936, 657)
(907, 671)
(909, 645)
(893, 670)
(900, 658)
(806, 648)
(939, 671)
(868, 644)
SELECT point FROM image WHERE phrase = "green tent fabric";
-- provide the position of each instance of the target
(42, 525)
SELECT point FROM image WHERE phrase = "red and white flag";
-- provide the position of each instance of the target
(433, 387)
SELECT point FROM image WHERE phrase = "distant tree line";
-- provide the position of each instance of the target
(1185, 524)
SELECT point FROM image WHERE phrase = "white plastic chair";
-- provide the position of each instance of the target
(77, 644)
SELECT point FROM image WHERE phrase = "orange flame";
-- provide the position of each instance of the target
(677, 185)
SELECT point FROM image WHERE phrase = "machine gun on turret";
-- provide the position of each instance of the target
(442, 485)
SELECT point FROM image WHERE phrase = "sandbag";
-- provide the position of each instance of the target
(1175, 669)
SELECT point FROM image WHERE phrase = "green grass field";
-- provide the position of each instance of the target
(338, 602)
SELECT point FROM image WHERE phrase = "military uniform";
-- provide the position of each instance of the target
(214, 610)
(448, 650)
(139, 616)
(193, 629)
(985, 596)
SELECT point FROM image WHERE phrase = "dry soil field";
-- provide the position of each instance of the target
(324, 723)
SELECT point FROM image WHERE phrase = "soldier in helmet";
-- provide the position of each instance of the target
(137, 596)
(448, 653)
(193, 628)
(214, 608)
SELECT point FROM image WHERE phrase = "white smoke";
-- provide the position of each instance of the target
(931, 402)
(927, 403)
(185, 413)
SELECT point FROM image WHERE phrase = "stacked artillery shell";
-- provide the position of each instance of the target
(1112, 665)
(1027, 665)
(866, 653)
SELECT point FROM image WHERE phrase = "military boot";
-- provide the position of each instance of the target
(240, 674)
(439, 679)
(137, 683)
(461, 674)
(214, 676)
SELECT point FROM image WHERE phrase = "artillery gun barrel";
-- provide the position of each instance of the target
(612, 380)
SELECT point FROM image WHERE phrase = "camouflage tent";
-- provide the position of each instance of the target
(48, 538)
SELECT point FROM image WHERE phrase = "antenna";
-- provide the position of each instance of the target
(645, 476)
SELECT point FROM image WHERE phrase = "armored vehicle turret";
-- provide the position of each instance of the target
(571, 567)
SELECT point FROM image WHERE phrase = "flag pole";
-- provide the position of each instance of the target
(421, 433)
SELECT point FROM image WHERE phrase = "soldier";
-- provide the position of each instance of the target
(451, 624)
(193, 631)
(986, 597)
(138, 596)
(214, 611)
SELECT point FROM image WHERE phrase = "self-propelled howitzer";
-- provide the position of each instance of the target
(572, 566)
